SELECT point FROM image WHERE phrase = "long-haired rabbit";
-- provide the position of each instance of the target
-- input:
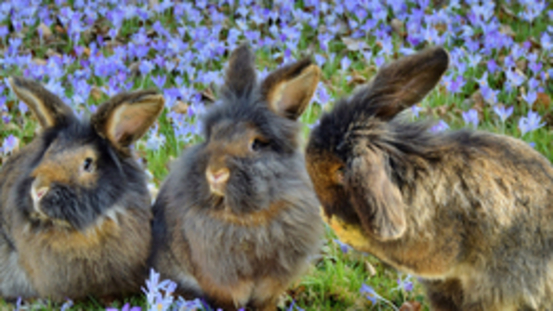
(75, 209)
(237, 218)
(469, 212)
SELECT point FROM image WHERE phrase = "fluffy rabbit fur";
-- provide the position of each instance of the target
(471, 213)
(74, 205)
(237, 218)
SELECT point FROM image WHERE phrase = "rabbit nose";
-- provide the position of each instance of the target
(217, 180)
(41, 192)
(38, 190)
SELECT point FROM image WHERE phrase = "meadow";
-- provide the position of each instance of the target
(500, 80)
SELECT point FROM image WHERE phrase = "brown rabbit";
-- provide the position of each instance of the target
(237, 218)
(74, 205)
(471, 213)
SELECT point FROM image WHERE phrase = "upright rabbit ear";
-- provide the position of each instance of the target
(376, 199)
(240, 78)
(126, 117)
(289, 89)
(406, 81)
(47, 107)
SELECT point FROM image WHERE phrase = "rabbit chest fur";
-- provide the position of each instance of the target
(74, 205)
(468, 212)
(237, 219)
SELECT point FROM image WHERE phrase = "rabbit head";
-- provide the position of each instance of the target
(80, 170)
(251, 145)
(350, 153)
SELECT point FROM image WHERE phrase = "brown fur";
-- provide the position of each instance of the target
(290, 88)
(242, 244)
(475, 209)
(47, 107)
(103, 261)
(58, 168)
(90, 234)
(126, 117)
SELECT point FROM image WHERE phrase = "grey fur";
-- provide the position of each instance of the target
(242, 249)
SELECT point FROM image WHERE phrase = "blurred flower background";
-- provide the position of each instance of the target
(87, 50)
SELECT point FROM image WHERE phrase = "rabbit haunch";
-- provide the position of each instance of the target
(470, 212)
(74, 203)
(237, 218)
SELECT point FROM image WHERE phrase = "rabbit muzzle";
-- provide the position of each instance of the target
(217, 180)
(39, 188)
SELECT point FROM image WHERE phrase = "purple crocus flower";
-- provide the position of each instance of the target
(22, 107)
(3, 31)
(19, 300)
(379, 61)
(10, 144)
(416, 109)
(155, 141)
(345, 63)
(530, 97)
(530, 123)
(483, 81)
(489, 94)
(145, 67)
(126, 307)
(159, 81)
(404, 284)
(471, 117)
(492, 66)
(533, 84)
(293, 306)
(343, 246)
(509, 62)
(502, 112)
(440, 127)
(322, 95)
(535, 67)
(515, 78)
(370, 293)
(454, 85)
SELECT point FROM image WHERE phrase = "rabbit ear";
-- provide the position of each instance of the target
(376, 199)
(47, 107)
(240, 78)
(126, 117)
(289, 89)
(406, 81)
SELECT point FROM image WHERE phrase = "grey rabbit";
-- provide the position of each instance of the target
(237, 219)
(469, 212)
(74, 205)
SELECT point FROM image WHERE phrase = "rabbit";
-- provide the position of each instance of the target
(75, 210)
(237, 220)
(468, 212)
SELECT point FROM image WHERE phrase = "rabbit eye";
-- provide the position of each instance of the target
(257, 144)
(88, 165)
